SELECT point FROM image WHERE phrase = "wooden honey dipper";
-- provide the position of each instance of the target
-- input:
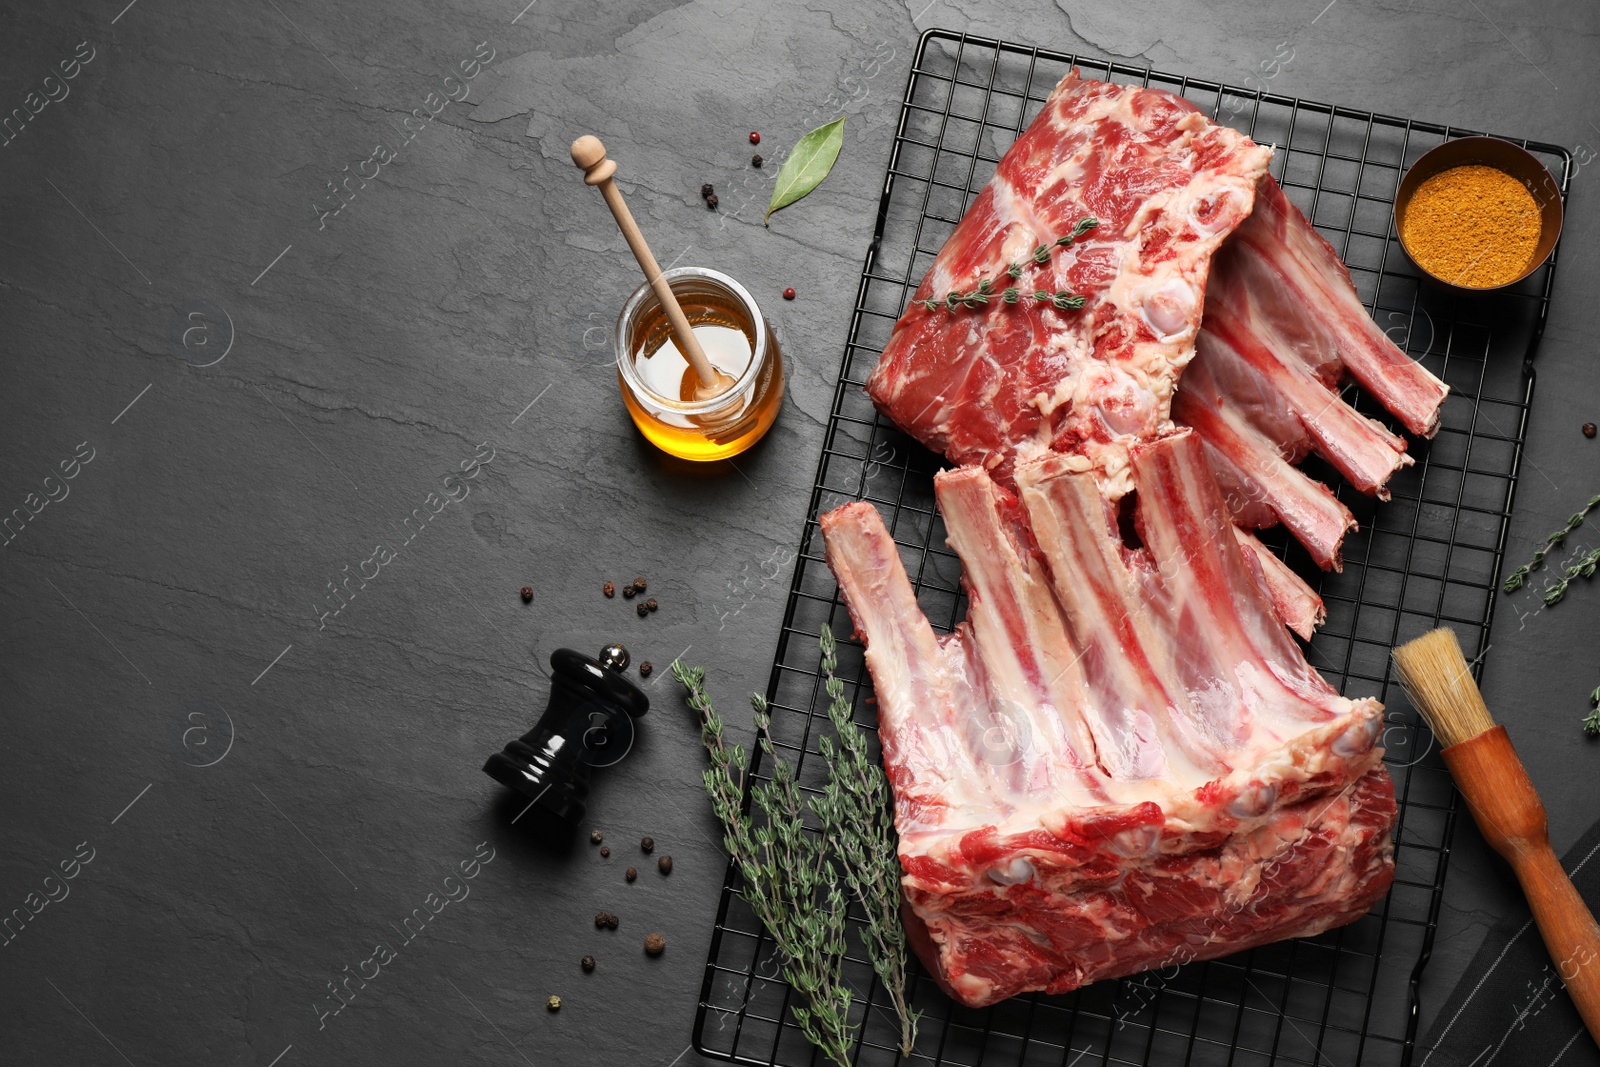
(590, 155)
(1506, 808)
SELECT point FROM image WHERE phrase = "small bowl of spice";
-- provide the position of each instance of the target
(1478, 213)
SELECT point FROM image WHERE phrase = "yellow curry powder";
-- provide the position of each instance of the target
(1472, 226)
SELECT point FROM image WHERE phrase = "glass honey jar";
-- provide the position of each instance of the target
(658, 384)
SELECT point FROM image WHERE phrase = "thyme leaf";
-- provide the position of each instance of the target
(788, 881)
(790, 878)
(1584, 568)
(858, 817)
(979, 295)
(1591, 724)
(1519, 577)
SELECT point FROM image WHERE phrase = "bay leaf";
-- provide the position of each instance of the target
(807, 165)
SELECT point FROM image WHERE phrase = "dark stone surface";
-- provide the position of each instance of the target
(166, 612)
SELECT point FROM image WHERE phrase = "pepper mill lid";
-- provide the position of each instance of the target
(588, 723)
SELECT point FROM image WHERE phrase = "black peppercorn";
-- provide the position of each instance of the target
(711, 201)
(706, 190)
(609, 589)
(645, 668)
(600, 918)
(1588, 429)
(655, 944)
(629, 592)
(639, 583)
(648, 844)
(595, 837)
(756, 160)
(527, 593)
(631, 873)
(587, 963)
(651, 605)
(643, 610)
(665, 863)
(611, 922)
(605, 850)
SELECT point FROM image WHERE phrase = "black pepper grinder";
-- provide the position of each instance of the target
(588, 723)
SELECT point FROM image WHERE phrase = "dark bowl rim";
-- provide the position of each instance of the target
(1533, 265)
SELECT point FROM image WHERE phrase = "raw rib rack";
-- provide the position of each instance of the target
(1429, 556)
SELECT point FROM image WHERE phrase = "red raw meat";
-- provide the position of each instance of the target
(1253, 442)
(1296, 603)
(1282, 326)
(1282, 321)
(1282, 276)
(989, 386)
(1120, 760)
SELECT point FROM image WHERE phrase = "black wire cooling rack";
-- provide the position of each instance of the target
(1430, 555)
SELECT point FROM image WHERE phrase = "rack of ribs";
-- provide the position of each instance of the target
(1121, 759)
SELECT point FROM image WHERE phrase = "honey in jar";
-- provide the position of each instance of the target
(658, 384)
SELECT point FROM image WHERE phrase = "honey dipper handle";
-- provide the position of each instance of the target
(1508, 811)
(589, 154)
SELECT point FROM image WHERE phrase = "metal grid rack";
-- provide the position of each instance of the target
(1430, 555)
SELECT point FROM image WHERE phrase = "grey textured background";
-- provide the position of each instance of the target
(165, 613)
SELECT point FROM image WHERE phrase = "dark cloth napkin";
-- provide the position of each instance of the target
(1509, 1009)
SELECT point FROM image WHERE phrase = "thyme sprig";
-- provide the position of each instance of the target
(983, 292)
(1519, 577)
(858, 815)
(1584, 568)
(788, 881)
(1591, 724)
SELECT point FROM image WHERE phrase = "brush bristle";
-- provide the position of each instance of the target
(1436, 677)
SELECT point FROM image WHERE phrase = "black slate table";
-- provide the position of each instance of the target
(258, 758)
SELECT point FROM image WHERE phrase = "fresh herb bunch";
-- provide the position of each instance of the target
(1591, 724)
(980, 294)
(1519, 577)
(858, 817)
(788, 881)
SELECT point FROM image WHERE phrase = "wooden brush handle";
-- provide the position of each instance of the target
(1508, 811)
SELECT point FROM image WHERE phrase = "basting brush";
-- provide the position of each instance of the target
(1505, 806)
